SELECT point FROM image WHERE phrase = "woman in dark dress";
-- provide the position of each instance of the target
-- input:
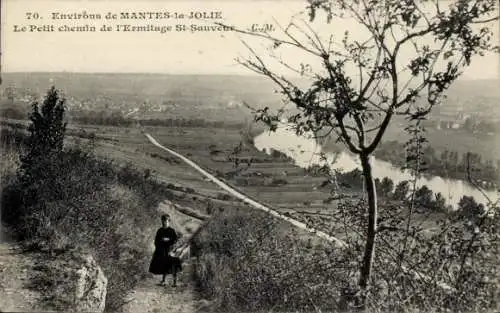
(162, 263)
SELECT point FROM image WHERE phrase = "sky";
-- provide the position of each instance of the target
(171, 52)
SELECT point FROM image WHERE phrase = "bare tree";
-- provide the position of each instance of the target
(412, 52)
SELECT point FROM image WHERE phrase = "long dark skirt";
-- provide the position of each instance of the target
(162, 263)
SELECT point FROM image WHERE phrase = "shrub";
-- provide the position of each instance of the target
(245, 262)
(386, 186)
(468, 208)
(439, 202)
(424, 197)
(223, 197)
(402, 190)
(278, 182)
(352, 179)
(9, 163)
(94, 208)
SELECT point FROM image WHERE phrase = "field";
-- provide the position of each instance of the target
(128, 144)
(454, 140)
(298, 193)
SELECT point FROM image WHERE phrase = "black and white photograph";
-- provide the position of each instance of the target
(253, 156)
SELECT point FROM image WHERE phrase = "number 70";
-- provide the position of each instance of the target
(32, 16)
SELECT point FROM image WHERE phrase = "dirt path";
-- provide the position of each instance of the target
(15, 271)
(148, 297)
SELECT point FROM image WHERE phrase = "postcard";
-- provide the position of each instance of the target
(249, 156)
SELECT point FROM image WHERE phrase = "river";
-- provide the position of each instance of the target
(306, 152)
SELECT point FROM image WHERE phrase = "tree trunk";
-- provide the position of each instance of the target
(372, 225)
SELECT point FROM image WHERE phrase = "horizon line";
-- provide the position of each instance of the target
(148, 73)
(184, 74)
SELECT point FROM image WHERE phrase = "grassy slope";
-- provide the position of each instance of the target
(102, 202)
(128, 145)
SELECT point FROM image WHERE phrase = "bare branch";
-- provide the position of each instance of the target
(496, 18)
(273, 39)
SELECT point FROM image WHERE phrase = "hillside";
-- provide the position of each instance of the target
(154, 95)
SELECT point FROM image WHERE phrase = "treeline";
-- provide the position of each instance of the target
(186, 122)
(117, 118)
(445, 164)
(423, 198)
(14, 113)
(103, 117)
(475, 125)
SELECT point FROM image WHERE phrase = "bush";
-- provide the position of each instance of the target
(9, 163)
(402, 190)
(468, 208)
(245, 262)
(276, 182)
(424, 197)
(439, 202)
(352, 179)
(223, 197)
(386, 186)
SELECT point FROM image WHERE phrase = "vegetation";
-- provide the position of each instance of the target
(244, 262)
(60, 199)
(281, 271)
(117, 118)
(478, 126)
(104, 117)
(13, 113)
(247, 261)
(241, 253)
(469, 209)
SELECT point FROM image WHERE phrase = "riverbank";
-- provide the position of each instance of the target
(306, 152)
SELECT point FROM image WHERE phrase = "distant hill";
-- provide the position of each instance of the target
(479, 86)
(147, 95)
(83, 84)
(478, 96)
